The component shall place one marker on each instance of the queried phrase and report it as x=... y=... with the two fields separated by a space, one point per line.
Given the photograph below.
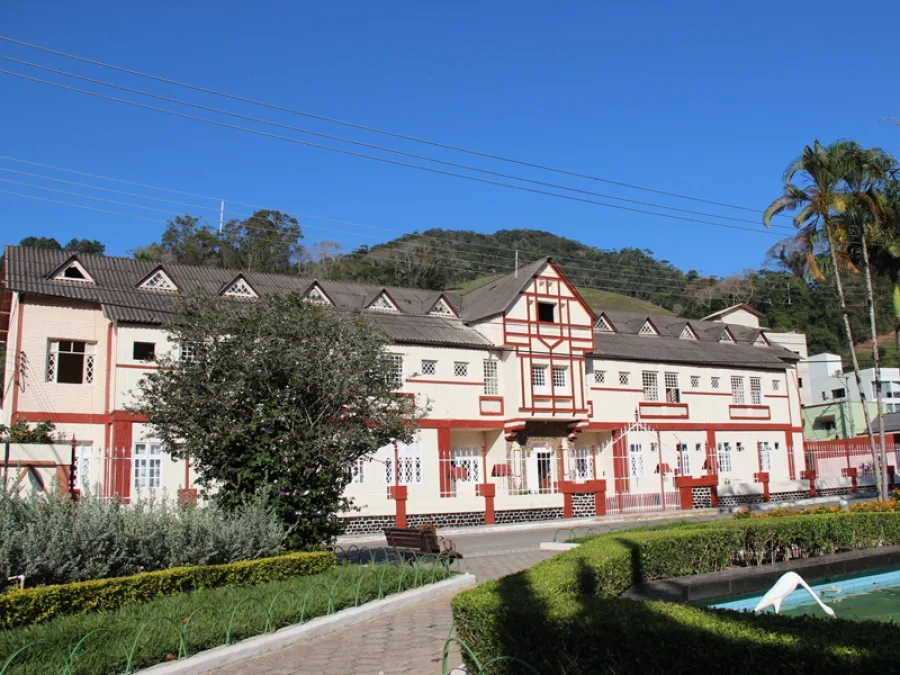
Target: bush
x=52 y=540
x=564 y=616
x=35 y=605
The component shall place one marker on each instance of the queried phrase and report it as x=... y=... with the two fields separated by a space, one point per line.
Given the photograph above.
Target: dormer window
x=546 y=312
x=73 y=271
x=239 y=288
x=687 y=333
x=760 y=341
x=603 y=325
x=382 y=303
x=441 y=308
x=726 y=336
x=159 y=281
x=647 y=329
x=315 y=296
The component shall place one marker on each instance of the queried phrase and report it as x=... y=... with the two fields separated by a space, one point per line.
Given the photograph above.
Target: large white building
x=540 y=406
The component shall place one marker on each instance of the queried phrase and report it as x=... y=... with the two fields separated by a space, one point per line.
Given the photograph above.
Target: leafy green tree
x=267 y=241
x=20 y=432
x=185 y=241
x=280 y=397
x=85 y=246
x=46 y=243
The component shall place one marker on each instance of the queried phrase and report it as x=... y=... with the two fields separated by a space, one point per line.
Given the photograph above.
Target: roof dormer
x=648 y=329
x=72 y=270
x=603 y=325
x=316 y=296
x=687 y=333
x=158 y=280
x=726 y=336
x=761 y=341
x=383 y=303
x=442 y=308
x=240 y=289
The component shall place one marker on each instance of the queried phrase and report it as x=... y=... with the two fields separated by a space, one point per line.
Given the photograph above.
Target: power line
x=343 y=151
x=375 y=130
x=380 y=148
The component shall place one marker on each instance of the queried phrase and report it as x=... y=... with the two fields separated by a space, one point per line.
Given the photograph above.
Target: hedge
x=564 y=616
x=35 y=605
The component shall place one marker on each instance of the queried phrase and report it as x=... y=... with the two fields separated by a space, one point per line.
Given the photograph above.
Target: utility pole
x=517 y=264
x=221 y=216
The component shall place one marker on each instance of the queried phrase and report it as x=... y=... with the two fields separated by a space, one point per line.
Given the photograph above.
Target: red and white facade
x=538 y=421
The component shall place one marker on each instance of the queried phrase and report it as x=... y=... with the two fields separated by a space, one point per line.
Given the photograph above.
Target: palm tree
x=822 y=171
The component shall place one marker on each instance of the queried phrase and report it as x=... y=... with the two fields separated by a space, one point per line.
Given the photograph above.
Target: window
x=546 y=312
x=714 y=382
x=159 y=281
x=539 y=376
x=624 y=378
x=147 y=463
x=776 y=385
x=765 y=457
x=460 y=369
x=74 y=273
x=724 y=457
x=70 y=362
x=726 y=336
x=737 y=390
x=410 y=466
x=441 y=308
x=315 y=296
x=83 y=460
x=599 y=377
x=382 y=304
x=358 y=470
x=144 y=351
x=491 y=381
x=755 y=390
x=559 y=377
x=465 y=465
x=673 y=392
x=874 y=391
x=429 y=367
x=187 y=351
x=582 y=464
x=240 y=289
x=647 y=329
x=800 y=382
x=687 y=334
x=602 y=325
x=838 y=393
x=651 y=388
x=698 y=447
x=395 y=377
x=636 y=460
x=684 y=459
x=695 y=381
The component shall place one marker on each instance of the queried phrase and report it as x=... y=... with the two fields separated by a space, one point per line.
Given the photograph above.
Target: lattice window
x=776 y=385
x=559 y=377
x=695 y=381
x=755 y=390
x=240 y=289
x=715 y=382
x=429 y=367
x=460 y=369
x=147 y=463
x=358 y=470
x=624 y=378
x=83 y=461
x=395 y=378
x=465 y=465
x=410 y=470
x=765 y=457
x=636 y=460
x=599 y=377
x=491 y=380
x=187 y=351
x=382 y=304
x=581 y=464
x=684 y=459
x=737 y=390
x=726 y=336
x=687 y=334
x=724 y=456
x=539 y=376
x=159 y=281
x=603 y=326
x=441 y=308
x=70 y=362
x=74 y=272
x=647 y=329
x=315 y=296
x=673 y=391
x=651 y=385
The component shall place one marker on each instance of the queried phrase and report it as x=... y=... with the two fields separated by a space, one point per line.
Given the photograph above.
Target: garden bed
x=165 y=629
x=565 y=614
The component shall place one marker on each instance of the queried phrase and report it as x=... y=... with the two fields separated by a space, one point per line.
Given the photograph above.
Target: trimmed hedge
x=564 y=616
x=35 y=605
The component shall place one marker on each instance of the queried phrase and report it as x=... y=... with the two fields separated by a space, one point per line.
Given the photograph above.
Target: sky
x=708 y=100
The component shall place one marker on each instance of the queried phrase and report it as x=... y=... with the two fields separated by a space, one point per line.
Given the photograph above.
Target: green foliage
x=564 y=616
x=74 y=245
x=20 y=432
x=283 y=405
x=36 y=605
x=53 y=540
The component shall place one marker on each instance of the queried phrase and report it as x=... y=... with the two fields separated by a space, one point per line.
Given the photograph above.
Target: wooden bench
x=407 y=542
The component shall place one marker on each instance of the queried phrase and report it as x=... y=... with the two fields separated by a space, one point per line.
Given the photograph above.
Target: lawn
x=137 y=636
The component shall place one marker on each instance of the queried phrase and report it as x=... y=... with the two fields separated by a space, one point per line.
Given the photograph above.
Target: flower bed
x=564 y=616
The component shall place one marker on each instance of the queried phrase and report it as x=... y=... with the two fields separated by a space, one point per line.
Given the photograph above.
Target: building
x=836 y=407
x=541 y=407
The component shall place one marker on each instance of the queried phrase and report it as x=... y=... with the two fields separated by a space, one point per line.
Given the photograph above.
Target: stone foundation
x=446 y=520
x=528 y=515
x=833 y=492
x=701 y=497
x=789 y=496
x=583 y=505
x=740 y=500
x=367 y=524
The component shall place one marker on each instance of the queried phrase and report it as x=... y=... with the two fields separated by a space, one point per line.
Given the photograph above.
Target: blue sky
x=705 y=99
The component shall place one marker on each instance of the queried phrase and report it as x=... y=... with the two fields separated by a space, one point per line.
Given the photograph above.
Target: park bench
x=409 y=542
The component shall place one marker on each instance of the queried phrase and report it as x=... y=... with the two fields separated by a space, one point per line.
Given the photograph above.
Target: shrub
x=52 y=540
x=35 y=605
x=564 y=616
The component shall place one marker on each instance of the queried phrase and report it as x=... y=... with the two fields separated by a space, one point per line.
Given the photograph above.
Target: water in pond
x=873 y=597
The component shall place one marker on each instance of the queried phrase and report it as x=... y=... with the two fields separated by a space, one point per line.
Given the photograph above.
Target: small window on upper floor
x=144 y=351
x=546 y=312
x=74 y=271
x=70 y=362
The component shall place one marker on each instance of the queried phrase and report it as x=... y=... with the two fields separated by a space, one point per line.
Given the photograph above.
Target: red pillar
x=444 y=460
x=120 y=457
x=763 y=477
x=620 y=467
x=398 y=494
x=486 y=490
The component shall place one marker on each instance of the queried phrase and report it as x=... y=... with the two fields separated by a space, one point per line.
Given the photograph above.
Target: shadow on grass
x=561 y=621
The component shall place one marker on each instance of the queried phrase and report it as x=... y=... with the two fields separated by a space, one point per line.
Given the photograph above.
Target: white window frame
x=738 y=394
x=410 y=465
x=396 y=361
x=624 y=378
x=776 y=385
x=695 y=381
x=756 y=390
x=147 y=465
x=684 y=458
x=84 y=457
x=650 y=382
x=491 y=377
x=470 y=460
x=187 y=351
x=581 y=464
x=724 y=457
x=460 y=369
x=673 y=390
x=765 y=457
x=560 y=376
x=88 y=363
x=429 y=367
x=599 y=377
x=538 y=376
x=357 y=471
x=635 y=460
x=715 y=382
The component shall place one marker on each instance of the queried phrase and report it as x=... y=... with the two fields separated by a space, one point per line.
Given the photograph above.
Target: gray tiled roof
x=891 y=423
x=498 y=296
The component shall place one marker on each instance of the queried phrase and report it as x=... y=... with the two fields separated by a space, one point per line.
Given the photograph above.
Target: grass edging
x=261 y=644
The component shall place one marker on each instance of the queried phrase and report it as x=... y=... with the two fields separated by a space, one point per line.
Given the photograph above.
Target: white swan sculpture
x=783 y=588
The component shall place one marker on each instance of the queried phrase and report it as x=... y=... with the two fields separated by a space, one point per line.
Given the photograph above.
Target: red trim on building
x=16 y=365
x=469 y=384
x=109 y=371
x=638 y=391
x=139 y=366
x=490 y=398
x=777 y=396
x=64 y=418
x=706 y=393
x=681 y=408
x=460 y=424
x=741 y=406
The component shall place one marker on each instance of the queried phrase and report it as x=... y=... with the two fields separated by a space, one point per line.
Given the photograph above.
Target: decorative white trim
x=442 y=308
x=382 y=303
x=648 y=329
x=603 y=326
x=687 y=333
x=726 y=336
x=761 y=341
x=85 y=278
x=240 y=288
x=316 y=296
x=158 y=281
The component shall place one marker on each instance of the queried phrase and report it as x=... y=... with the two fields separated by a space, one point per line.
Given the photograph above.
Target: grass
x=138 y=636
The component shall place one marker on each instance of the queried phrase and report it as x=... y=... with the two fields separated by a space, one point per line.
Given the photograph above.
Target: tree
x=46 y=243
x=85 y=246
x=185 y=241
x=281 y=398
x=822 y=171
x=20 y=432
x=267 y=241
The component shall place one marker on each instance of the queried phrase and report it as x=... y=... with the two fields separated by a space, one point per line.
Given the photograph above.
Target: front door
x=538 y=472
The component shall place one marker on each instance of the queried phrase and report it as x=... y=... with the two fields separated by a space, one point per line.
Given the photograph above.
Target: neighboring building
x=745 y=315
x=540 y=406
x=836 y=409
